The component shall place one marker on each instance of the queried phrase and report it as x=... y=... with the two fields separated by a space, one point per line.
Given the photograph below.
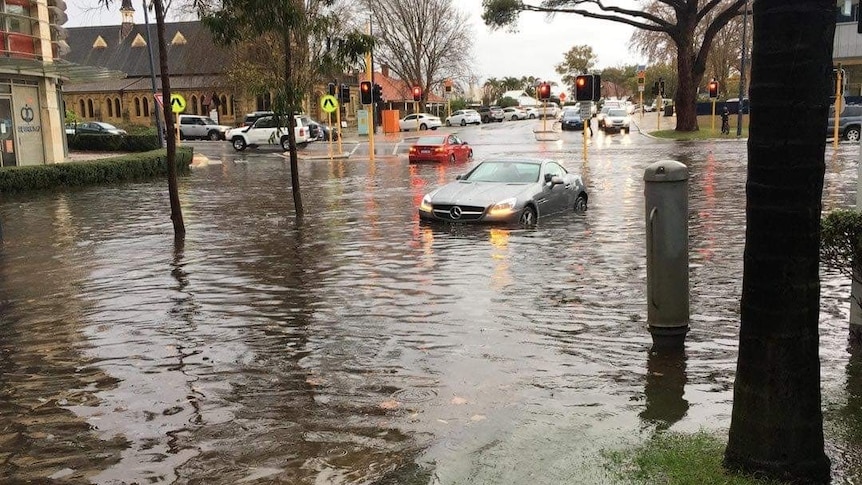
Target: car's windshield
x=210 y=121
x=505 y=172
x=471 y=112
x=570 y=114
x=617 y=112
x=430 y=140
x=106 y=126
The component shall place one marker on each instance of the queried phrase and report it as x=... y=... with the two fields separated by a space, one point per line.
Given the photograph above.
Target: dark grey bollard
x=666 y=198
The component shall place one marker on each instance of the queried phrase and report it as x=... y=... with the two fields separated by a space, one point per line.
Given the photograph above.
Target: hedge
x=125 y=168
x=113 y=143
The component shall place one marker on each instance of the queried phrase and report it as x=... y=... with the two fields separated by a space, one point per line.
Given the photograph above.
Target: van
x=203 y=127
x=849 y=122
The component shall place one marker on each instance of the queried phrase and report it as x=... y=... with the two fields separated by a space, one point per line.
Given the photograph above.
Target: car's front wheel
x=581 y=204
x=852 y=133
x=423 y=127
x=452 y=158
x=528 y=217
x=470 y=154
x=463 y=122
x=449 y=123
x=238 y=144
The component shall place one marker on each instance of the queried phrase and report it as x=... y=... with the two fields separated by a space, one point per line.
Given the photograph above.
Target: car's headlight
x=503 y=207
x=425 y=206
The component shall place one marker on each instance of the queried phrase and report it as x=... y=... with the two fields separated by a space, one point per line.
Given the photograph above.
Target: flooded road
x=361 y=346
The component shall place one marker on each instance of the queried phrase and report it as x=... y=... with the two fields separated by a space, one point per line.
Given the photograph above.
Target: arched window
x=230 y=105
x=110 y=108
x=137 y=107
x=89 y=107
x=117 y=111
x=81 y=108
x=194 y=104
x=223 y=101
x=263 y=102
x=146 y=107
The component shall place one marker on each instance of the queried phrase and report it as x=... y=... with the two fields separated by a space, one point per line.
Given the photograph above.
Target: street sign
x=586 y=110
x=159 y=99
x=640 y=88
x=562 y=96
x=178 y=103
x=328 y=103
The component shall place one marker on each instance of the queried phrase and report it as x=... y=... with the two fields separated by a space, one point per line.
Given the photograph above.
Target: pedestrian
x=725 y=121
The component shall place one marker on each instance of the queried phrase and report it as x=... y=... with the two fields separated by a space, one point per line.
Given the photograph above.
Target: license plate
x=425 y=151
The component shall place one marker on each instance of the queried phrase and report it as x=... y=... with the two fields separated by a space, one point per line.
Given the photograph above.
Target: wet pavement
x=362 y=346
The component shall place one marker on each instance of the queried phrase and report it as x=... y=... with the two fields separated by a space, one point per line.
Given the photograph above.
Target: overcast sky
x=534 y=50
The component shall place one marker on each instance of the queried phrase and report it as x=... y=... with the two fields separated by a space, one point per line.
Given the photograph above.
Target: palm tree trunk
x=777 y=425
x=173 y=190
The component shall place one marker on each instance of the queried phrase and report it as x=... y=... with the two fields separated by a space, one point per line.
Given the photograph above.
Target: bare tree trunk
x=685 y=96
x=776 y=427
x=289 y=86
x=173 y=190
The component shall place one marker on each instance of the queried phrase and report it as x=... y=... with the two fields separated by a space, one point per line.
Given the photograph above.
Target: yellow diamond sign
x=329 y=103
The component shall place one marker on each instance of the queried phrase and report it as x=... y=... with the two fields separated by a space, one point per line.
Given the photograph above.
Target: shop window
x=146 y=104
x=194 y=105
x=110 y=108
x=137 y=107
x=223 y=102
x=19 y=28
x=118 y=112
x=89 y=108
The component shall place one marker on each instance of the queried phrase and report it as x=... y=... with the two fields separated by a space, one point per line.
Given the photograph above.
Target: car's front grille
x=452 y=212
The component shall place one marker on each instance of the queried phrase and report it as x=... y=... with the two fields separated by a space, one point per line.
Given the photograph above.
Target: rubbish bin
x=668 y=110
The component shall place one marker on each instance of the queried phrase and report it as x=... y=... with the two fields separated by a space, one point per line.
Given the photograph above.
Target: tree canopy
x=577 y=60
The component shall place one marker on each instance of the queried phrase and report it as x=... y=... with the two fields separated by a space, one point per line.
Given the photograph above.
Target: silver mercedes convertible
x=521 y=191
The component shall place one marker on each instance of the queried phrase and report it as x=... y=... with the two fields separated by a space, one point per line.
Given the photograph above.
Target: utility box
x=666 y=204
x=362 y=122
x=390 y=121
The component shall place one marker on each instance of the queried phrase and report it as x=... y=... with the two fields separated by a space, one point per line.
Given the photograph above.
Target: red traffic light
x=544 y=91
x=713 y=89
x=365 y=92
x=417 y=93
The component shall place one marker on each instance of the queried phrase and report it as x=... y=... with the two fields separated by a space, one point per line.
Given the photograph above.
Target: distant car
x=464 y=117
x=265 y=131
x=318 y=130
x=617 y=119
x=549 y=110
x=70 y=128
x=519 y=190
x=440 y=148
x=250 y=118
x=849 y=122
x=571 y=120
x=490 y=113
x=98 y=128
x=512 y=114
x=531 y=111
x=203 y=127
x=424 y=121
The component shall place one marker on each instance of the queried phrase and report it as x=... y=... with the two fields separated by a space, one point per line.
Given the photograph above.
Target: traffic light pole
x=713 y=116
x=837 y=116
x=369 y=61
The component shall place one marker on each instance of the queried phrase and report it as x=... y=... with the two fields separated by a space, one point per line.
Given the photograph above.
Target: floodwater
x=363 y=347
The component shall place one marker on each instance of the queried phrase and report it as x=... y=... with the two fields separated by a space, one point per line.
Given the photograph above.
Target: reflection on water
x=362 y=346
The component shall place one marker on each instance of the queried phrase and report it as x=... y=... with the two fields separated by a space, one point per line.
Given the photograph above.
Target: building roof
x=191 y=50
x=396 y=90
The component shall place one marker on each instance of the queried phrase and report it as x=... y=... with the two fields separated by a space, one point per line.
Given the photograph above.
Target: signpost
x=586 y=115
x=641 y=84
x=329 y=104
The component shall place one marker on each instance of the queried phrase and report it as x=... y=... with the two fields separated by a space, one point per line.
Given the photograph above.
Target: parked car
x=440 y=148
x=512 y=113
x=617 y=119
x=265 y=131
x=464 y=117
x=490 y=113
x=196 y=126
x=571 y=120
x=532 y=112
x=250 y=118
x=549 y=110
x=519 y=190
x=425 y=121
x=98 y=128
x=849 y=122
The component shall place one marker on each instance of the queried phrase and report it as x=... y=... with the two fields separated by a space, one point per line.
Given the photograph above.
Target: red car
x=440 y=148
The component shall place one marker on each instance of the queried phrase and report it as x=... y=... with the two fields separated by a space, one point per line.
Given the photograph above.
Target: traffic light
x=661 y=87
x=544 y=91
x=713 y=89
x=417 y=93
x=655 y=89
x=365 y=92
x=330 y=88
x=377 y=93
x=588 y=87
x=344 y=94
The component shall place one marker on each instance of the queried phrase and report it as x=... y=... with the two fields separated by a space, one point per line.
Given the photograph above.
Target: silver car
x=521 y=190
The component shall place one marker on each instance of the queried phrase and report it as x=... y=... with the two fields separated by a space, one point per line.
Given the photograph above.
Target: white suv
x=265 y=132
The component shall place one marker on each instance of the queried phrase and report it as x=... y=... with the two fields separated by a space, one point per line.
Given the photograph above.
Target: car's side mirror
x=458 y=177
x=556 y=180
x=548 y=177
